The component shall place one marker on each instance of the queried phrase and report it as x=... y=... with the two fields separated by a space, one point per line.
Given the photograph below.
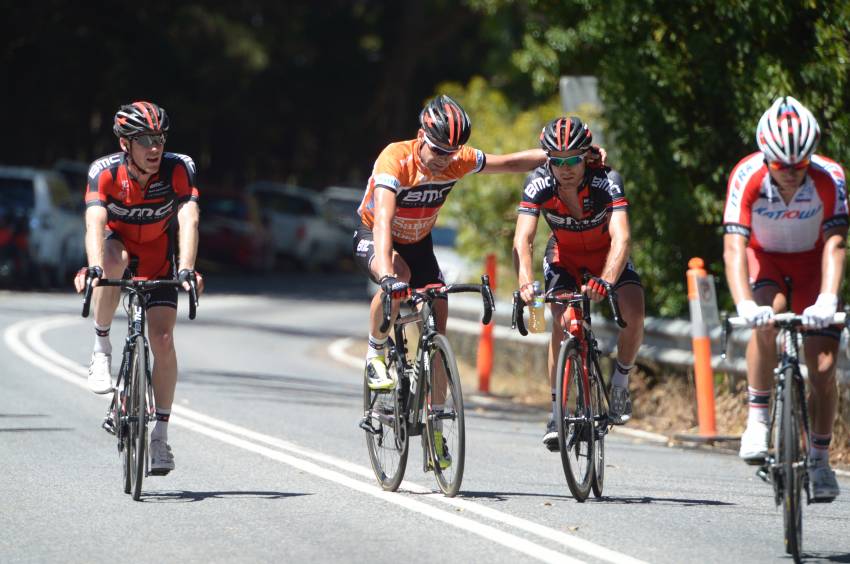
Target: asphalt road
x=271 y=465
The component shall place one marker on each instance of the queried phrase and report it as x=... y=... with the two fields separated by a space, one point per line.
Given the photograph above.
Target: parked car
x=231 y=231
x=37 y=207
x=340 y=204
x=299 y=229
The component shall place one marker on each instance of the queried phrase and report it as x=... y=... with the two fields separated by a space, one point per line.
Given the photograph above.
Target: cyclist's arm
x=385 y=205
x=187 y=219
x=523 y=161
x=96 y=217
x=526 y=227
x=735 y=262
x=832 y=263
x=618 y=254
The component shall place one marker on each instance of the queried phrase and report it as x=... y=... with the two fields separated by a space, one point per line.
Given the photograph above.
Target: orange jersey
x=419 y=194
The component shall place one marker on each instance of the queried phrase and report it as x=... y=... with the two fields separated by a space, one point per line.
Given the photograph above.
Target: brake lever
x=516 y=317
x=487 y=297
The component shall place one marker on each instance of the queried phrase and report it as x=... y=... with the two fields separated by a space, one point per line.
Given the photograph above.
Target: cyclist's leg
x=631 y=303
x=821 y=349
x=115 y=260
x=768 y=288
x=558 y=278
x=364 y=254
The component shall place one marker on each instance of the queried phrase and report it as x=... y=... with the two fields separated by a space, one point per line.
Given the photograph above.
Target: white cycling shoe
x=162 y=461
x=754 y=444
x=100 y=373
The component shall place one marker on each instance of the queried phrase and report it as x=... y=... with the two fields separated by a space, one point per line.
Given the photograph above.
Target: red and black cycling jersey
x=140 y=214
x=601 y=193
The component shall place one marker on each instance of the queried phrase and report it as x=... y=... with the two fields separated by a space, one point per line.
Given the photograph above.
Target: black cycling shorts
x=418 y=256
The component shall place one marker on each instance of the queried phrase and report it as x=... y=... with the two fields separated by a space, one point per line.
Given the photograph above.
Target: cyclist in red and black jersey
x=586 y=208
x=138 y=202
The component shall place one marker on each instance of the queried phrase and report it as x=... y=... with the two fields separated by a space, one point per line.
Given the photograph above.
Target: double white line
x=25 y=339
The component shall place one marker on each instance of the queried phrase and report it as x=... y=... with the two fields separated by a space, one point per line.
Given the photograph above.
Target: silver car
x=55 y=230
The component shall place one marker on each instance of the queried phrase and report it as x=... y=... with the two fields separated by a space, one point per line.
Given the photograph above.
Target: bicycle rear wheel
x=789 y=455
x=445 y=425
x=600 y=427
x=138 y=415
x=386 y=426
x=574 y=418
x=122 y=429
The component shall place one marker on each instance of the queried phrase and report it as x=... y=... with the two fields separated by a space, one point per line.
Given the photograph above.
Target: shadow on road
x=684 y=502
x=825 y=557
x=187 y=496
x=505 y=496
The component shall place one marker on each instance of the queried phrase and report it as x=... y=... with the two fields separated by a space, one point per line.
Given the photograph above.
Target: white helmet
x=787 y=132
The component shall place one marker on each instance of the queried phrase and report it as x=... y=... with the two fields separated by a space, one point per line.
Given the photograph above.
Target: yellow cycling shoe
x=376 y=372
x=443 y=456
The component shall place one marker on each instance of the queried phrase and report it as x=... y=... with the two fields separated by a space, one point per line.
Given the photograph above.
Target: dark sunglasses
x=148 y=141
x=776 y=165
x=439 y=151
x=566 y=161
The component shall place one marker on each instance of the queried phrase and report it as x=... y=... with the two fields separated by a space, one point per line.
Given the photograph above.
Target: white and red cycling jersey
x=755 y=209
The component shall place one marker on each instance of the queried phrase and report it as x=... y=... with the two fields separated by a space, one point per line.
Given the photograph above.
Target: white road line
x=51 y=361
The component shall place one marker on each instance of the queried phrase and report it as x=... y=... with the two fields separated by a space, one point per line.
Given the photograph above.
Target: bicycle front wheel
x=138 y=415
x=386 y=427
x=574 y=419
x=789 y=455
x=599 y=409
x=444 y=423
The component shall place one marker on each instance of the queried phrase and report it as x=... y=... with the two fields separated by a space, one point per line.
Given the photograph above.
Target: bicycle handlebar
x=430 y=293
x=519 y=304
x=787 y=320
x=139 y=286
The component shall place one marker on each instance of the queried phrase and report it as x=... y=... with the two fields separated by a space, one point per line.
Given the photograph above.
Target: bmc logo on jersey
x=537 y=185
x=141 y=214
x=102 y=164
x=426 y=196
x=158 y=188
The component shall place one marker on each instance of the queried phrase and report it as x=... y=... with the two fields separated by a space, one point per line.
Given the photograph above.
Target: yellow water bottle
x=536 y=321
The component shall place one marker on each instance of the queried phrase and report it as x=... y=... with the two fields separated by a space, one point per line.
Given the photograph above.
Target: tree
x=683 y=84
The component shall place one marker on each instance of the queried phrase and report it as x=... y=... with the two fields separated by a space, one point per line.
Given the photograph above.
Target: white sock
x=819 y=449
x=376 y=347
x=620 y=376
x=758 y=401
x=102 y=344
x=160 y=430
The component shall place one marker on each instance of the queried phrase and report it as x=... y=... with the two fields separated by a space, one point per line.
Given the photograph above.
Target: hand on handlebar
x=754 y=314
x=394 y=287
x=821 y=313
x=93 y=273
x=526 y=292
x=597 y=289
x=186 y=275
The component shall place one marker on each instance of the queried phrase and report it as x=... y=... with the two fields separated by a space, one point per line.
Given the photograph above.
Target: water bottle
x=536 y=321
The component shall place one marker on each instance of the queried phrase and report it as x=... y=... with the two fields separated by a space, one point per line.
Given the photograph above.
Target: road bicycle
x=786 y=465
x=426 y=397
x=581 y=397
x=133 y=406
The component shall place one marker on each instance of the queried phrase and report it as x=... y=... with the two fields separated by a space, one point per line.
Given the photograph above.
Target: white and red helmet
x=787 y=132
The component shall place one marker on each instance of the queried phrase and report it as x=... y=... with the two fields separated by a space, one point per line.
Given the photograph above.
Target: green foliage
x=683 y=84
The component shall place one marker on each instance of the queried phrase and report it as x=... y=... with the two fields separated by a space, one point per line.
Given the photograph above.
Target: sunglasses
x=776 y=165
x=148 y=141
x=566 y=161
x=439 y=151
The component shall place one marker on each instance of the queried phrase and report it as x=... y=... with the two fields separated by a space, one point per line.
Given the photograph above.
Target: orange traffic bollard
x=703 y=373
x=485 y=343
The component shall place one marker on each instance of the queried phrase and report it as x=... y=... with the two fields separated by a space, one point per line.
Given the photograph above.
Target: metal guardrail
x=666 y=342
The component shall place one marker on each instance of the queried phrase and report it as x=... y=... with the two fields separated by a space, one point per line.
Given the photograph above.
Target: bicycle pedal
x=763 y=474
x=366 y=425
x=108 y=425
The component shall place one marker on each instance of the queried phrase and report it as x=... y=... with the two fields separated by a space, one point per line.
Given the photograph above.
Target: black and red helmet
x=140 y=118
x=566 y=134
x=445 y=123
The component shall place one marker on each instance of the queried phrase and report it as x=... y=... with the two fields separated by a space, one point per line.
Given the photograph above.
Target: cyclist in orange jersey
x=135 y=201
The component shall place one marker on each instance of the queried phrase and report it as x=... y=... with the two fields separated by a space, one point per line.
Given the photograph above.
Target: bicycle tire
x=449 y=422
x=383 y=411
x=574 y=420
x=123 y=432
x=600 y=427
x=790 y=457
x=138 y=412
